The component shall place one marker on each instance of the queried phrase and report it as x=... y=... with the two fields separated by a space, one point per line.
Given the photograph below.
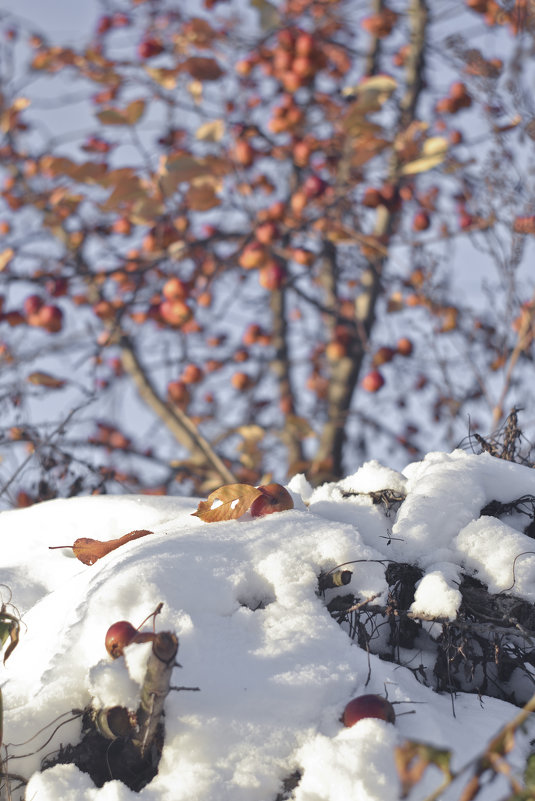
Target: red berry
x=368 y=706
x=118 y=636
x=149 y=48
x=373 y=381
x=274 y=498
x=121 y=634
x=404 y=346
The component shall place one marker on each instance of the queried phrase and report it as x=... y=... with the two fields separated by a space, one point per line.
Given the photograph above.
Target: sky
x=60 y=17
x=274 y=669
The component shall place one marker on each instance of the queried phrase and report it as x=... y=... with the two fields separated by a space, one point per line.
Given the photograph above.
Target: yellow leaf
x=232 y=501
x=433 y=153
x=251 y=431
x=165 y=77
x=176 y=250
x=195 y=90
x=376 y=83
x=211 y=131
x=20 y=103
x=5 y=257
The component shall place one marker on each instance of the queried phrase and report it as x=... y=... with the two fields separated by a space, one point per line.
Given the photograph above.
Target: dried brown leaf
x=233 y=501
x=134 y=111
x=45 y=380
x=202 y=198
x=164 y=76
x=202 y=69
x=90 y=551
x=211 y=131
x=412 y=759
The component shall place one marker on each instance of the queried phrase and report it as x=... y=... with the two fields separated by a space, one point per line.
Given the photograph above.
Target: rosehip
x=368 y=706
x=274 y=498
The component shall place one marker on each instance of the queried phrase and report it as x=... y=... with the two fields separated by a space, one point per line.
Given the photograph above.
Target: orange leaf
x=45 y=380
x=234 y=500
x=90 y=551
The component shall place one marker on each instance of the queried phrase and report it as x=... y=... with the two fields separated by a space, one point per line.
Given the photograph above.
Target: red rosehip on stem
x=274 y=498
x=121 y=634
x=368 y=706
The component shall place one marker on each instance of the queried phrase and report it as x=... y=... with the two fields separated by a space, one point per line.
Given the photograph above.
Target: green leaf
x=5 y=628
x=529 y=772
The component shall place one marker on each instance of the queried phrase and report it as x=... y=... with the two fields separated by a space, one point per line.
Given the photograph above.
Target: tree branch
x=177 y=422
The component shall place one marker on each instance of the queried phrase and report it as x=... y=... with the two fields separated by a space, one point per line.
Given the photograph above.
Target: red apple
x=373 y=381
x=175 y=312
x=149 y=48
x=244 y=153
x=175 y=289
x=383 y=356
x=404 y=346
x=421 y=221
x=274 y=498
x=314 y=186
x=104 y=24
x=121 y=634
x=51 y=318
x=241 y=381
x=32 y=304
x=368 y=706
x=304 y=44
x=272 y=275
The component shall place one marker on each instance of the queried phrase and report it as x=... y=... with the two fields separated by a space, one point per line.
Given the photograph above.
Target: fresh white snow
x=274 y=669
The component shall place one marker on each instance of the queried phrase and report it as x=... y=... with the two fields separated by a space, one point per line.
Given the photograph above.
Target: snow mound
x=274 y=668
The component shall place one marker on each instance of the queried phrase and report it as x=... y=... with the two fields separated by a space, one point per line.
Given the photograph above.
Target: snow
x=274 y=668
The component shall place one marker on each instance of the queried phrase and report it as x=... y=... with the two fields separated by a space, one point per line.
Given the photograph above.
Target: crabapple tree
x=250 y=240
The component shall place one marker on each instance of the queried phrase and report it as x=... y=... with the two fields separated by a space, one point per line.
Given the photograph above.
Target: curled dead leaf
x=89 y=551
x=232 y=501
x=45 y=380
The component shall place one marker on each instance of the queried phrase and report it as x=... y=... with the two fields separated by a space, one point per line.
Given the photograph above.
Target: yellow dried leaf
x=195 y=90
x=376 y=83
x=433 y=153
x=20 y=103
x=232 y=501
x=251 y=431
x=5 y=257
x=211 y=131
x=165 y=77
